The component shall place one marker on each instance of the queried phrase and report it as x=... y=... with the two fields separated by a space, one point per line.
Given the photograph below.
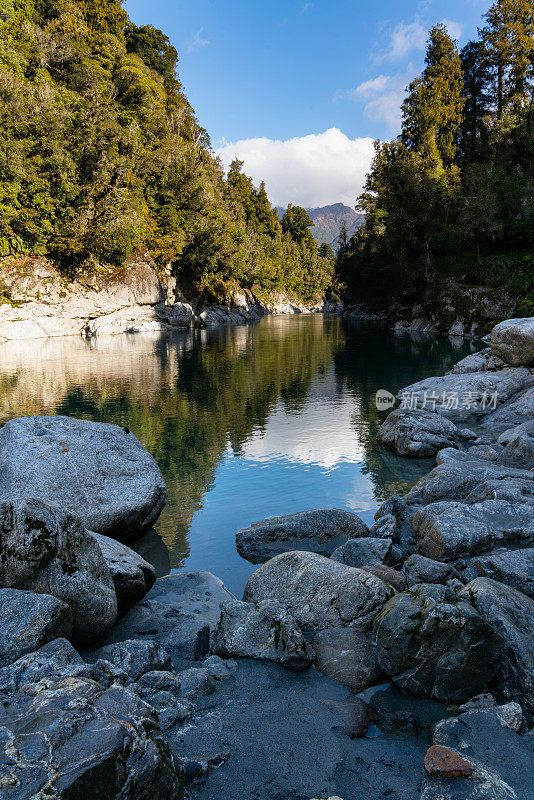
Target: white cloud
x=372 y=87
x=197 y=41
x=404 y=38
x=313 y=170
x=383 y=97
x=454 y=28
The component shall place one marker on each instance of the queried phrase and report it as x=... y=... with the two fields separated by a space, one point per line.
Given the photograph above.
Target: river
x=245 y=422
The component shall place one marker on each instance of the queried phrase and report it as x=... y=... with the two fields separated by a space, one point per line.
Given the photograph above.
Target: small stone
x=396 y=722
x=136 y=657
x=446 y=763
x=220 y=668
x=389 y=575
x=357 y=716
x=195 y=682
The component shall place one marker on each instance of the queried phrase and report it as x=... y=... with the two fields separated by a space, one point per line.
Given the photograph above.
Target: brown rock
x=446 y=763
x=347 y=656
x=357 y=716
x=388 y=575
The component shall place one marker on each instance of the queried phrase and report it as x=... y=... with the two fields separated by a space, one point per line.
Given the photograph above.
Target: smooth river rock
x=264 y=631
x=518 y=446
x=28 y=621
x=348 y=657
x=318 y=592
x=99 y=472
x=132 y=576
x=363 y=552
x=511 y=613
x=431 y=645
x=513 y=341
x=447 y=530
x=318 y=531
x=47 y=550
x=420 y=434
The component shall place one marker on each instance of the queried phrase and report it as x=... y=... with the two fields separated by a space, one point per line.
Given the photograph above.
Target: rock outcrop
x=29 y=621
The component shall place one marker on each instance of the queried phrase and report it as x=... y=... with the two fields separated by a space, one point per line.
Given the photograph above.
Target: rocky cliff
x=37 y=301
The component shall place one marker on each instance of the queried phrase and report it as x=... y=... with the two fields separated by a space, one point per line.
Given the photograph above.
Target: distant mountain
x=327 y=221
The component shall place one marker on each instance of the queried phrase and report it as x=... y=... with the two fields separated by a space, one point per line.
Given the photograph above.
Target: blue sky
x=300 y=87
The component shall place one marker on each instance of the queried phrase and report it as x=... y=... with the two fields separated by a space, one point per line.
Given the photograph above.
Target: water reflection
x=245 y=422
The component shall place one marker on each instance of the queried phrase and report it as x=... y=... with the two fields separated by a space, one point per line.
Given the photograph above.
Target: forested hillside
x=452 y=199
x=102 y=156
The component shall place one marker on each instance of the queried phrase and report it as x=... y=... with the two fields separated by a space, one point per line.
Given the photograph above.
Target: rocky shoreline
x=36 y=301
x=393 y=661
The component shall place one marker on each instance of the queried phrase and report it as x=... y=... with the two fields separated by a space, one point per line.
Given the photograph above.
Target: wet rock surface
x=28 y=621
x=318 y=531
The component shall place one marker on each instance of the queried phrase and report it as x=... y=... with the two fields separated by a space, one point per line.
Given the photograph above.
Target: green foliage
x=101 y=155
x=435 y=211
x=297 y=223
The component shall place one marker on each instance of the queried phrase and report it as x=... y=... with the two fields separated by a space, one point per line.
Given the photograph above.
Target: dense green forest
x=452 y=199
x=101 y=156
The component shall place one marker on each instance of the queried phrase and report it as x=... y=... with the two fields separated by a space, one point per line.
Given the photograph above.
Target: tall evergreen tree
x=475 y=91
x=432 y=111
x=508 y=39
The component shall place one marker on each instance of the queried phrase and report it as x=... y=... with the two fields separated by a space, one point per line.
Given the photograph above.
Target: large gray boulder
x=518 y=409
x=318 y=531
x=264 y=631
x=514 y=567
x=348 y=657
x=47 y=550
x=511 y=613
x=363 y=552
x=447 y=531
x=318 y=592
x=180 y=613
x=431 y=645
x=99 y=472
x=467 y=396
x=86 y=741
x=132 y=576
x=518 y=446
x=513 y=341
x=28 y=621
x=420 y=569
x=420 y=434
x=483 y=361
x=57 y=659
x=136 y=657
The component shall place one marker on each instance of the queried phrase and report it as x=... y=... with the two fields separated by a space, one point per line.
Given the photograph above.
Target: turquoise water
x=245 y=422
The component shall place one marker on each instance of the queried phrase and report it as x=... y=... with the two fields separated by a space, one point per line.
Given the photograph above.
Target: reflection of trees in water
x=187 y=397
x=377 y=358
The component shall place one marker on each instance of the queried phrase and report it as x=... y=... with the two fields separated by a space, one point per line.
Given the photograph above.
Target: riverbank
x=37 y=301
x=406 y=622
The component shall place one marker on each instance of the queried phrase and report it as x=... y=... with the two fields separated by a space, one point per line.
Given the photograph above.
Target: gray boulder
x=483 y=361
x=264 y=631
x=136 y=657
x=467 y=396
x=47 y=550
x=318 y=592
x=511 y=613
x=430 y=645
x=132 y=576
x=420 y=569
x=363 y=552
x=196 y=682
x=495 y=748
x=180 y=613
x=318 y=531
x=447 y=531
x=99 y=472
x=513 y=341
x=518 y=409
x=518 y=446
x=419 y=434
x=85 y=742
x=28 y=621
x=514 y=567
x=348 y=657
x=58 y=659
